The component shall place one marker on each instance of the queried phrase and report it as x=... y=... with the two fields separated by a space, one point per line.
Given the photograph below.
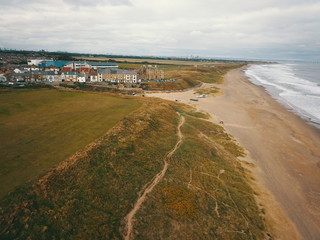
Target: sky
x=257 y=29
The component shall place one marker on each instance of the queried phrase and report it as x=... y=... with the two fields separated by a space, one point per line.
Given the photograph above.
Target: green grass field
x=40 y=128
x=132 y=66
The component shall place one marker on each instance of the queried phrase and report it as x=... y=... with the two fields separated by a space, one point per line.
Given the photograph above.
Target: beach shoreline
x=281 y=146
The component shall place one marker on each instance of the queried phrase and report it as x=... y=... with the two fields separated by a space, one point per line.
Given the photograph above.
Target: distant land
x=60 y=55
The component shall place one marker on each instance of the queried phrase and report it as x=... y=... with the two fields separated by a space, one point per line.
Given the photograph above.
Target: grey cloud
x=261 y=28
x=23 y=3
x=97 y=2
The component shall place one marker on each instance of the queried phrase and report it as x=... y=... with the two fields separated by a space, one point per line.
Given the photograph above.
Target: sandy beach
x=283 y=150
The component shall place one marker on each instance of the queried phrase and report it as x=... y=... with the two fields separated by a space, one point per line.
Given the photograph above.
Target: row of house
x=106 y=75
x=80 y=71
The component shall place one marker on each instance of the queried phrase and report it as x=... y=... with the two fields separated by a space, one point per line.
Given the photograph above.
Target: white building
x=31 y=68
x=81 y=77
x=76 y=65
x=72 y=77
x=36 y=61
x=93 y=78
x=69 y=76
x=2 y=78
x=17 y=70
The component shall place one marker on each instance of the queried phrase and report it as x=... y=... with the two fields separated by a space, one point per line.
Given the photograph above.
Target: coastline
x=292 y=106
x=282 y=148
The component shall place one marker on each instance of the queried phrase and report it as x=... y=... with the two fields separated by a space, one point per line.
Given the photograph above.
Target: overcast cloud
x=230 y=28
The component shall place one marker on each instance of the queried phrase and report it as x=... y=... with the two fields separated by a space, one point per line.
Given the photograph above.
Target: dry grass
x=212 y=91
x=204 y=195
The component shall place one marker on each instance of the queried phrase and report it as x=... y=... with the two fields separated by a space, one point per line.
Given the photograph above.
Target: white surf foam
x=283 y=83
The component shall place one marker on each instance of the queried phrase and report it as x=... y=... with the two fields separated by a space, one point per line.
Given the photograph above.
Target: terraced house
x=150 y=73
x=117 y=76
x=72 y=77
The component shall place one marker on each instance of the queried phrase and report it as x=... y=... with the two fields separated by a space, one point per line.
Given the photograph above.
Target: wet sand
x=284 y=149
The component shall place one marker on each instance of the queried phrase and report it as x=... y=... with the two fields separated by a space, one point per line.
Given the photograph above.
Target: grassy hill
x=204 y=195
x=187 y=77
x=40 y=128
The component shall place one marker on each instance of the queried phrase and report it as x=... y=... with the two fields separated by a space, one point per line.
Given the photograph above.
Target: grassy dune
x=205 y=193
x=40 y=128
x=203 y=74
x=187 y=77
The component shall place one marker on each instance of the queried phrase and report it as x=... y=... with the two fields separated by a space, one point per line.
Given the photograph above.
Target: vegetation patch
x=212 y=91
x=190 y=111
x=179 y=202
x=205 y=193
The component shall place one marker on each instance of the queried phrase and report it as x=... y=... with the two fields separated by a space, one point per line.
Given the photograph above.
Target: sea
x=295 y=85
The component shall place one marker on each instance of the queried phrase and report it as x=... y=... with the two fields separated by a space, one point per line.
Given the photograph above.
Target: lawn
x=40 y=128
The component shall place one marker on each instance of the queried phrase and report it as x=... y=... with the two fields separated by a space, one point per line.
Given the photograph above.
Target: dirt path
x=150 y=186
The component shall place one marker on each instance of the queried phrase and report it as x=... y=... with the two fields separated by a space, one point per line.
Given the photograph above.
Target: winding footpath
x=150 y=186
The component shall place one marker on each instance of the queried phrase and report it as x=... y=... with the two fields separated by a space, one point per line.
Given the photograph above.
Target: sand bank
x=285 y=150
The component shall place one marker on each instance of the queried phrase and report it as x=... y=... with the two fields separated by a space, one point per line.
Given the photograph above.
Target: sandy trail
x=150 y=186
x=283 y=147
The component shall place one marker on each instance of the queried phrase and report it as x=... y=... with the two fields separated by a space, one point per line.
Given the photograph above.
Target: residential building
x=49 y=76
x=77 y=64
x=103 y=65
x=117 y=76
x=81 y=78
x=31 y=68
x=150 y=73
x=36 y=61
x=2 y=78
x=52 y=68
x=66 y=69
x=87 y=72
x=69 y=76
x=18 y=77
x=17 y=70
x=93 y=77
x=73 y=77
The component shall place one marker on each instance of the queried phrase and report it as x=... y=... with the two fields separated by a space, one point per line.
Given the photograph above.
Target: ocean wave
x=285 y=82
